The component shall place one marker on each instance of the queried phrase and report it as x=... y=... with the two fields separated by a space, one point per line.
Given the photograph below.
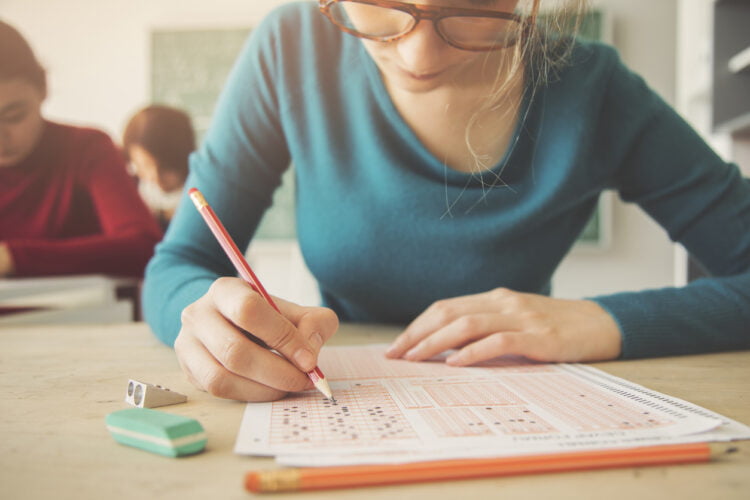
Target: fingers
x=240 y=356
x=441 y=314
x=218 y=357
x=502 y=322
x=460 y=332
x=236 y=301
x=498 y=344
x=317 y=324
x=207 y=374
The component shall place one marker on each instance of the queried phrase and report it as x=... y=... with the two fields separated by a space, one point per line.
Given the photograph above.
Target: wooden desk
x=58 y=383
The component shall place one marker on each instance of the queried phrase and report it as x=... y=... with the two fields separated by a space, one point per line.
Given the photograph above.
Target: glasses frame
x=419 y=12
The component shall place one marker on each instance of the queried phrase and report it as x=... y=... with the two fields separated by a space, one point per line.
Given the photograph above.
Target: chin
x=9 y=161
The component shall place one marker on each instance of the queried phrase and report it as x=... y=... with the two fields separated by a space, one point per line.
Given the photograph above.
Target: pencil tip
x=722 y=449
x=322 y=385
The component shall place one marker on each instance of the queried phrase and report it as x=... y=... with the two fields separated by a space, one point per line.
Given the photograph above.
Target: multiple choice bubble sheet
x=391 y=411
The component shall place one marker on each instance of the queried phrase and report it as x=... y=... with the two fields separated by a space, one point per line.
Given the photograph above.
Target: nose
x=422 y=49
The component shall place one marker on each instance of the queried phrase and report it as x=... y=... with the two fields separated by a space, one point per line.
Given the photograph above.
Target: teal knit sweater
x=387 y=229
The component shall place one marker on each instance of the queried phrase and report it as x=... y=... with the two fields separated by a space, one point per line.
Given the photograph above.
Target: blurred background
x=106 y=59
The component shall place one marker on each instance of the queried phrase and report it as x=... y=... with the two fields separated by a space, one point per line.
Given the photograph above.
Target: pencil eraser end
x=252 y=482
x=157 y=432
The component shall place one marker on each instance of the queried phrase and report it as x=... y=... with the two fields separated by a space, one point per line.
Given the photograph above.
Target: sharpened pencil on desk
x=244 y=270
x=354 y=476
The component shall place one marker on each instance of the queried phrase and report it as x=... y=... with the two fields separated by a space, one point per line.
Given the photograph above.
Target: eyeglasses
x=387 y=21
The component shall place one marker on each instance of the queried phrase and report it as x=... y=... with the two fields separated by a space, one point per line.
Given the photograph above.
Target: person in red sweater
x=67 y=203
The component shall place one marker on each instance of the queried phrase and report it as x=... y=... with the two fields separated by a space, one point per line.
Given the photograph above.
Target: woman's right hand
x=219 y=358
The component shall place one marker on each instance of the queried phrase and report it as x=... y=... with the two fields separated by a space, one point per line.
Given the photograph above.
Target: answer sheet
x=393 y=411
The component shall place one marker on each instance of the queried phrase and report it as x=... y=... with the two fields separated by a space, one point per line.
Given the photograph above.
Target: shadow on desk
x=69 y=299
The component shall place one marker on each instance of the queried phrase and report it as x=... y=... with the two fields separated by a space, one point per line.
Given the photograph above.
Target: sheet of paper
x=58 y=291
x=396 y=411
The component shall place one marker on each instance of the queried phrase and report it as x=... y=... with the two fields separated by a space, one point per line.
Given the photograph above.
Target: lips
x=425 y=76
x=421 y=76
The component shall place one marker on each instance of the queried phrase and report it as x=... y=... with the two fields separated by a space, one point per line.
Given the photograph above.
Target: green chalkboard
x=189 y=68
x=593 y=27
x=594 y=234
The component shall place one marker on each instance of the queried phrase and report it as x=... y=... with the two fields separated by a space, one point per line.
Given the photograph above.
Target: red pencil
x=243 y=268
x=353 y=476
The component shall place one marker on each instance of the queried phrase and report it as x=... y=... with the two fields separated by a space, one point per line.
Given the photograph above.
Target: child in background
x=67 y=205
x=157 y=142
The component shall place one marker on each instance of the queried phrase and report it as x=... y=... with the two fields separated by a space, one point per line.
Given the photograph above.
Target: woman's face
x=21 y=122
x=421 y=61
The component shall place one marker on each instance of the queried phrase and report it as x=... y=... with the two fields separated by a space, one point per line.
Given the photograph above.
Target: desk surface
x=58 y=383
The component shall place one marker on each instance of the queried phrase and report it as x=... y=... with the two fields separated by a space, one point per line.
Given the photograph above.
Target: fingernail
x=316 y=340
x=304 y=359
x=391 y=350
x=412 y=353
x=454 y=359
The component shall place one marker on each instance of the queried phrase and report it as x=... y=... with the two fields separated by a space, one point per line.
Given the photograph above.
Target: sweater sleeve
x=703 y=203
x=128 y=232
x=237 y=168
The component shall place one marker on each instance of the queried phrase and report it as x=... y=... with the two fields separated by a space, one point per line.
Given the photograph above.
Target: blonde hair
x=549 y=42
x=546 y=40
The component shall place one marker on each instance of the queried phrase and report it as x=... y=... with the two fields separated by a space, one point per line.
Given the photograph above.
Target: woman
x=67 y=205
x=447 y=157
x=157 y=142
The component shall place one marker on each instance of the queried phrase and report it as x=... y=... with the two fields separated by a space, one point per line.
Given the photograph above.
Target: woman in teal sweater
x=444 y=168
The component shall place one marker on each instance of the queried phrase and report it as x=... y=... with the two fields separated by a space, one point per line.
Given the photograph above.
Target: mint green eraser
x=157 y=431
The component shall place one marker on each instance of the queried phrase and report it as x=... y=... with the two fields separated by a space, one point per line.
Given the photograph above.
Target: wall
x=640 y=255
x=96 y=53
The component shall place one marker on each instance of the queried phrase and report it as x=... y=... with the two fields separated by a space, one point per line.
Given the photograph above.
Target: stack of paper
x=64 y=299
x=391 y=411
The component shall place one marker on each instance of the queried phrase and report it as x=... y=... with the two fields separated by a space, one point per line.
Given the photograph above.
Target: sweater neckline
x=437 y=167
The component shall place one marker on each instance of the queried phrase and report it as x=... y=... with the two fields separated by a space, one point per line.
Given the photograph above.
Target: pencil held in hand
x=244 y=270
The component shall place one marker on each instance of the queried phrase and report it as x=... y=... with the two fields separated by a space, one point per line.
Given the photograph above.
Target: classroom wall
x=96 y=53
x=693 y=92
x=640 y=254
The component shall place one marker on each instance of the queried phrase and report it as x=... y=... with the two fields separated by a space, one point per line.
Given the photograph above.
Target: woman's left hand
x=501 y=321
